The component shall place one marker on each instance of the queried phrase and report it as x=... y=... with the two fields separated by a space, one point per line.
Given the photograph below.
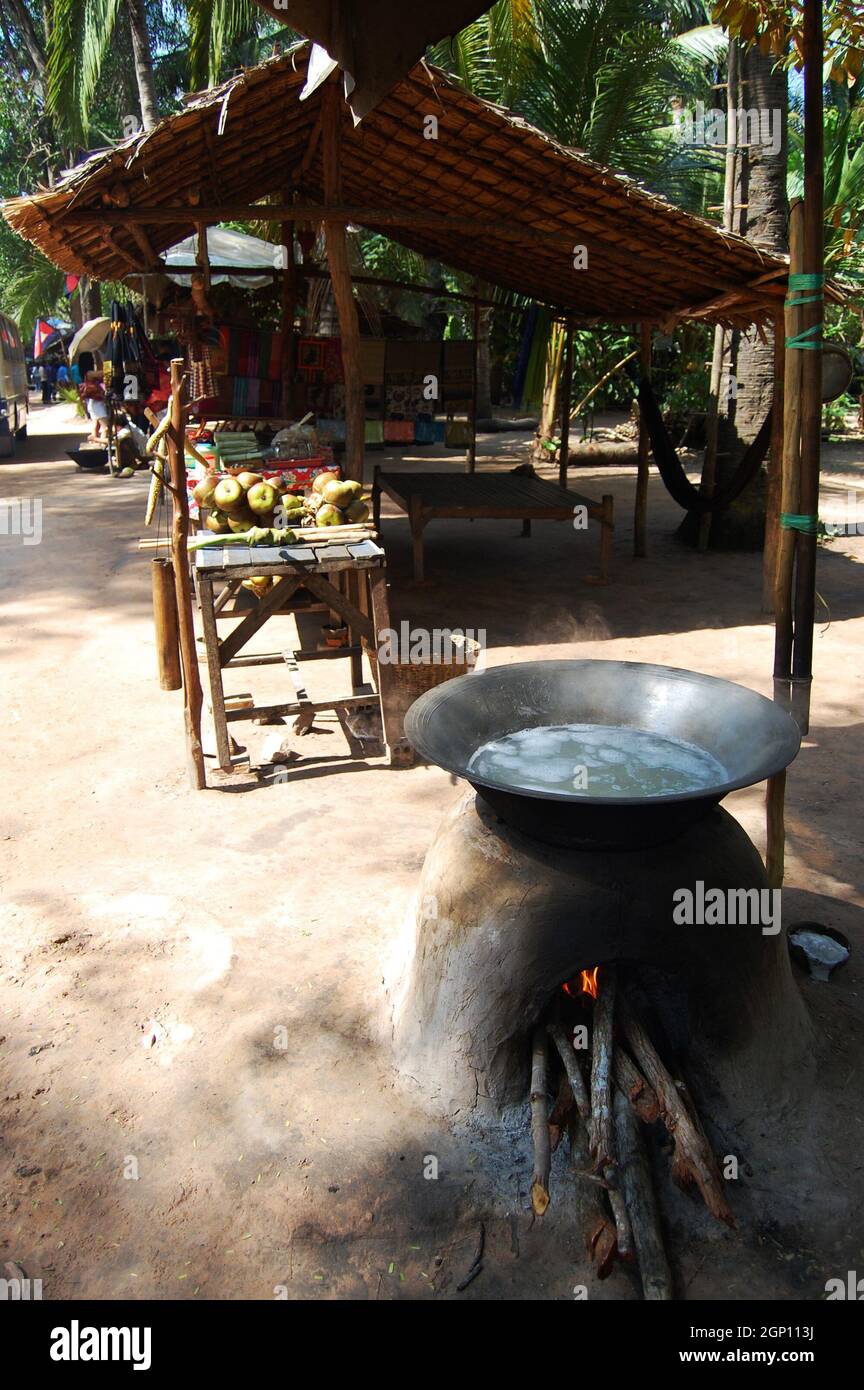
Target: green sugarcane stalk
x=256 y=535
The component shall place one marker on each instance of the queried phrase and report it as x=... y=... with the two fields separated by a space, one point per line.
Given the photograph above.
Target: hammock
x=678 y=485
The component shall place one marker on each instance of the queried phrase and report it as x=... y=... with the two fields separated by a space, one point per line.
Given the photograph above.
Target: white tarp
x=226 y=248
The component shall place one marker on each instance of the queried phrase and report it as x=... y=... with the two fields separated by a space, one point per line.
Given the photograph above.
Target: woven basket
x=411 y=679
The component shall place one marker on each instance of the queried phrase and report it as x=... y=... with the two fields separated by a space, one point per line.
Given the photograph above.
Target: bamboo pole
x=343 y=290
x=790 y=474
x=775 y=468
x=566 y=393
x=640 y=508
x=165 y=623
x=192 y=694
x=811 y=376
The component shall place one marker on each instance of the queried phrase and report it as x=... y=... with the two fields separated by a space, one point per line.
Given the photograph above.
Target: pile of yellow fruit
x=235 y=503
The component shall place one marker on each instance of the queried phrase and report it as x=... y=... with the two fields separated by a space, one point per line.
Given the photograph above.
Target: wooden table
x=360 y=600
x=500 y=496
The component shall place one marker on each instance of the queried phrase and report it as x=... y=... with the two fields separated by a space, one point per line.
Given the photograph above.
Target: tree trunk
x=748 y=376
x=143 y=63
x=484 y=364
x=90 y=293
x=27 y=29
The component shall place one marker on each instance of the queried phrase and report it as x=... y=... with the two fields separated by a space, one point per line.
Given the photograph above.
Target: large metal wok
x=749 y=736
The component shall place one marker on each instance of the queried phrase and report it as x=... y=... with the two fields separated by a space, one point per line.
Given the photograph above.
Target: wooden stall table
x=361 y=601
x=499 y=496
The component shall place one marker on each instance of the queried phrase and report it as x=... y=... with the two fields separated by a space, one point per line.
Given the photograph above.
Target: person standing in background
x=45 y=383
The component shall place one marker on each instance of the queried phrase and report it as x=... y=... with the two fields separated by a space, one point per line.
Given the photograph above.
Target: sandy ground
x=194 y=1097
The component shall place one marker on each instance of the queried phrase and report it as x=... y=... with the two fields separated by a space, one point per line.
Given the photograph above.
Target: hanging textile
x=677 y=484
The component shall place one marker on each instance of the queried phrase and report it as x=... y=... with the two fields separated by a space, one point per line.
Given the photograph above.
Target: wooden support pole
x=203 y=257
x=712 y=428
x=192 y=694
x=790 y=481
x=289 y=306
x=640 y=510
x=775 y=814
x=165 y=623
x=343 y=290
x=811 y=376
x=775 y=469
x=566 y=395
x=471 y=460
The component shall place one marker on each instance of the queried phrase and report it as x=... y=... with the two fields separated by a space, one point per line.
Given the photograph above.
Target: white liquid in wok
x=596 y=760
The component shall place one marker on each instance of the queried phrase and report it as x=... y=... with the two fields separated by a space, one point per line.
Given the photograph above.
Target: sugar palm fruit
x=242 y=520
x=357 y=511
x=248 y=480
x=261 y=498
x=229 y=495
x=319 y=483
x=337 y=493
x=217 y=522
x=204 y=490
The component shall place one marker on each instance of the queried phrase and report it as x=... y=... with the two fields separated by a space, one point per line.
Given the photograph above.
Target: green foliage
x=34 y=290
x=79 y=36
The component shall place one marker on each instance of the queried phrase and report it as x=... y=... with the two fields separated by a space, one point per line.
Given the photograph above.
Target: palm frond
x=79 y=37
x=214 y=26
x=34 y=289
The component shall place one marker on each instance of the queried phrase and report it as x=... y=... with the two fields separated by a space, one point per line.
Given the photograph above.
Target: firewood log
x=638 y=1192
x=540 y=1124
x=602 y=1133
x=601 y=1237
x=583 y=1105
x=694 y=1160
x=630 y=1080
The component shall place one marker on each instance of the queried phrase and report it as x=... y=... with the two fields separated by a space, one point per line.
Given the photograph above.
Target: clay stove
x=520 y=892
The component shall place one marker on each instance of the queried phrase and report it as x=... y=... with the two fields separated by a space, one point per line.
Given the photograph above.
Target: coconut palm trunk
x=143 y=63
x=747 y=382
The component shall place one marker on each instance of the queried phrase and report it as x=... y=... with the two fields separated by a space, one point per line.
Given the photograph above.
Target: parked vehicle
x=14 y=387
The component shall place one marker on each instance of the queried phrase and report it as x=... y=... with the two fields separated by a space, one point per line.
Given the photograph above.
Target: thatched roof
x=490 y=195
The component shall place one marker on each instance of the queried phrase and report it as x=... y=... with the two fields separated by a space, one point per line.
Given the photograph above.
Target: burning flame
x=588 y=983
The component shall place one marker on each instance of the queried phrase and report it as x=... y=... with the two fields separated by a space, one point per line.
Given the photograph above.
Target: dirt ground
x=196 y=1097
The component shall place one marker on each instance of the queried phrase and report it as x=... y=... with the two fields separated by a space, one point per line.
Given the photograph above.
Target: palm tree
x=143 y=58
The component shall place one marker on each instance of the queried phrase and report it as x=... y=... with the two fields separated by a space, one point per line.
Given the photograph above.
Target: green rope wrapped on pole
x=793 y=521
x=810 y=340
